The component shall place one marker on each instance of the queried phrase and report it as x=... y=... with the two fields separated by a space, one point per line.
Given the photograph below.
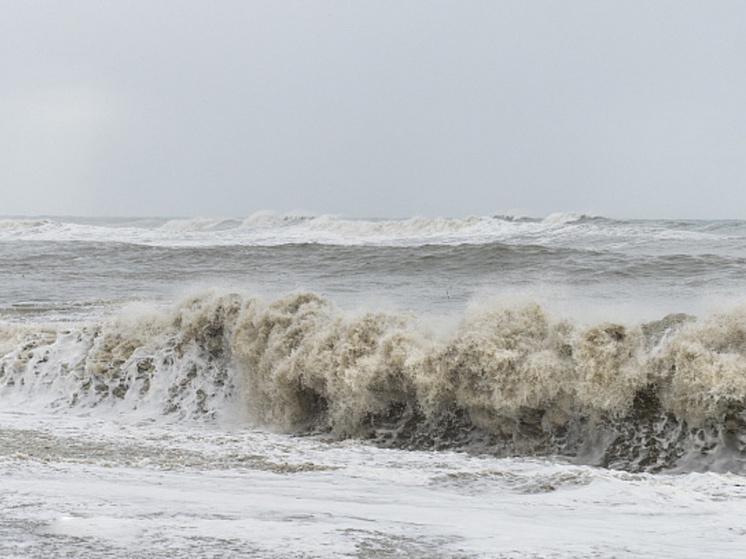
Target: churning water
x=294 y=386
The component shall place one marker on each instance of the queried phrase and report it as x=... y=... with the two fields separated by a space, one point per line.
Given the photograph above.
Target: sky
x=373 y=108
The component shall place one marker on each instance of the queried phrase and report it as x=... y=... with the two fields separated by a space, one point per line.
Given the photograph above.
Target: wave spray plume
x=507 y=380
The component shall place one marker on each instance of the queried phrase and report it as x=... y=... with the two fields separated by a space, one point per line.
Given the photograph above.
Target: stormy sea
x=314 y=386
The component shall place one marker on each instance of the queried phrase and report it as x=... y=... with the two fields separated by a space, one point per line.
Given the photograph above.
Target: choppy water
x=315 y=387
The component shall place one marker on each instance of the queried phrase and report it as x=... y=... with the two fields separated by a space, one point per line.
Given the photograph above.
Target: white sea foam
x=106 y=487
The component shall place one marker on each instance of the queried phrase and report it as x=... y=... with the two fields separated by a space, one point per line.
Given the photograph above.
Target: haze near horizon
x=373 y=109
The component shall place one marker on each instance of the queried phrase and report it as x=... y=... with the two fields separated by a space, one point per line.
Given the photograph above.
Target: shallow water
x=102 y=487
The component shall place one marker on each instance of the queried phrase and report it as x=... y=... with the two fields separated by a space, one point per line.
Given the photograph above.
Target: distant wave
x=22 y=224
x=565 y=218
x=197 y=224
x=271 y=229
x=511 y=380
x=516 y=218
x=415 y=226
x=269 y=219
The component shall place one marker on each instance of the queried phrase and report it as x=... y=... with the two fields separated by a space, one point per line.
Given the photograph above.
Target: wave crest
x=270 y=219
x=505 y=379
x=565 y=218
x=22 y=224
x=197 y=224
x=412 y=227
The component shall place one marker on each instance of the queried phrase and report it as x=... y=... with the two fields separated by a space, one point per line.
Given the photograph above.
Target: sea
x=313 y=386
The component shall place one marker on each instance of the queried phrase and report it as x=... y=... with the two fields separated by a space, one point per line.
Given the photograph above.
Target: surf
x=509 y=380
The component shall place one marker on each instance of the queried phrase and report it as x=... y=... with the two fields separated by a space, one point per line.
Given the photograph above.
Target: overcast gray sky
x=373 y=108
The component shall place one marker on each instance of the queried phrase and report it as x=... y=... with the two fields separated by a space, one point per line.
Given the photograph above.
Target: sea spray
x=506 y=379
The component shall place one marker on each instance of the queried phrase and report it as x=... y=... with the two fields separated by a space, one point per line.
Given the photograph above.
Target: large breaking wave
x=507 y=379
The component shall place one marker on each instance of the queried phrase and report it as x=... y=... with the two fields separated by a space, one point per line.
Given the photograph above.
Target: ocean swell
x=505 y=379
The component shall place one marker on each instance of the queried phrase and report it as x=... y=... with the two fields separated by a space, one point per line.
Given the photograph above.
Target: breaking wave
x=270 y=219
x=271 y=229
x=412 y=227
x=564 y=218
x=198 y=224
x=22 y=224
x=505 y=379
